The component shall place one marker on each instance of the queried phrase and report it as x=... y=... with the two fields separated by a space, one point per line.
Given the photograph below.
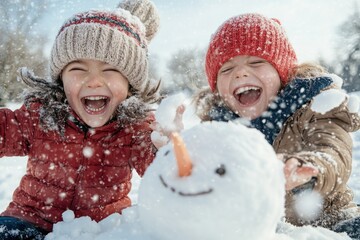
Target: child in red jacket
x=86 y=129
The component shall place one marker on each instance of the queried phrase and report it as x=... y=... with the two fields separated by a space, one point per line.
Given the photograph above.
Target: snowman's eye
x=221 y=170
x=166 y=153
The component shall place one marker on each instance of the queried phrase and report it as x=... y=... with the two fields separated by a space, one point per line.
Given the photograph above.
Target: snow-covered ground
x=12 y=168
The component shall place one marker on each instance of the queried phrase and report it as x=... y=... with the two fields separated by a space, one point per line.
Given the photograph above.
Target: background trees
x=186 y=71
x=21 y=43
x=23 y=40
x=348 y=52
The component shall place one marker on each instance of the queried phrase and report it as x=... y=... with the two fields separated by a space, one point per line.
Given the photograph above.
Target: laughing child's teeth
x=95 y=98
x=95 y=109
x=245 y=89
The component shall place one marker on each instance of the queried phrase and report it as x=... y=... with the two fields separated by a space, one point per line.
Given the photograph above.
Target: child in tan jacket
x=254 y=77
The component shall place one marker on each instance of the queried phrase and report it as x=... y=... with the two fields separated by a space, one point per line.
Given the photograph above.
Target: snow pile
x=287 y=231
x=114 y=227
x=85 y=228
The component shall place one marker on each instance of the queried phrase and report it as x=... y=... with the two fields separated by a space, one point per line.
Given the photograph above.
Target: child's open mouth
x=247 y=95
x=95 y=104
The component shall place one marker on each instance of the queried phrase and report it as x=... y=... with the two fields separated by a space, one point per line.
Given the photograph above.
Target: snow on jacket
x=322 y=139
x=86 y=170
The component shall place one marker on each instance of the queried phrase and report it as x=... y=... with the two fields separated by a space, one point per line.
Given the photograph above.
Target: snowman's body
x=235 y=190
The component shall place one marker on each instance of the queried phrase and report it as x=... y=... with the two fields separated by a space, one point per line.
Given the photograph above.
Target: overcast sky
x=311 y=25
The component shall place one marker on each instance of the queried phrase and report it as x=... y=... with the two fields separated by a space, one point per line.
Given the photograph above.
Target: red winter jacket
x=88 y=172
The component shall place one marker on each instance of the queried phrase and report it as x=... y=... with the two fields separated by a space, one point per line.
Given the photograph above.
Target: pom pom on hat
x=253 y=35
x=118 y=37
x=146 y=12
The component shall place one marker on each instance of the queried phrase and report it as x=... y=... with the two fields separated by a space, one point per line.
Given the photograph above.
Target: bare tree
x=187 y=71
x=20 y=43
x=347 y=64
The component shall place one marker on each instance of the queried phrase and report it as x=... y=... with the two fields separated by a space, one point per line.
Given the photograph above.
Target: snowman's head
x=231 y=186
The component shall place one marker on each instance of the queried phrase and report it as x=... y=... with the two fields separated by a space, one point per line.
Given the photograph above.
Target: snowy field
x=12 y=169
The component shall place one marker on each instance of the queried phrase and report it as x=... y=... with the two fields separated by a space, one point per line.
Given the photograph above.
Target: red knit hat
x=253 y=35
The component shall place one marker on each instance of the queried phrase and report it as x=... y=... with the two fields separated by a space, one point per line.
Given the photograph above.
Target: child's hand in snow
x=297 y=173
x=160 y=136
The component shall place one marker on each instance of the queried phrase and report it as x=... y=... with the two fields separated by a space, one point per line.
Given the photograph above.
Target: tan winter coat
x=324 y=141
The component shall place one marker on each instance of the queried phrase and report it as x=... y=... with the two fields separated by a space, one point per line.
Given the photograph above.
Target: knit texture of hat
x=119 y=38
x=253 y=35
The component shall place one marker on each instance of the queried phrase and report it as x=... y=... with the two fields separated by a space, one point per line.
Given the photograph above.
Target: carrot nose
x=181 y=155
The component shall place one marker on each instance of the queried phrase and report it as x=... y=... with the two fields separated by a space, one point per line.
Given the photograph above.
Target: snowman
x=214 y=181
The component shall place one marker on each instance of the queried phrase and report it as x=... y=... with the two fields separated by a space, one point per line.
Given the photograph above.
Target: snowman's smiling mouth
x=182 y=193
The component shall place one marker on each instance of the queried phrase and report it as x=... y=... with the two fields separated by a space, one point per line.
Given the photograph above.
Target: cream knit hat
x=118 y=37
